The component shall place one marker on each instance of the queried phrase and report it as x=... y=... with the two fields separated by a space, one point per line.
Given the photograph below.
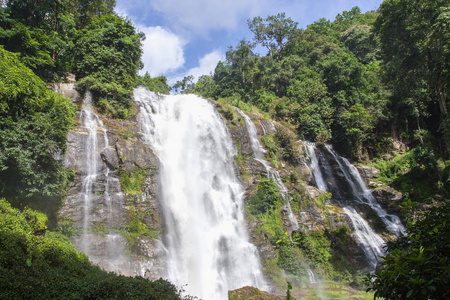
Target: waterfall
x=91 y=123
x=311 y=277
x=370 y=242
x=97 y=186
x=364 y=195
x=314 y=167
x=258 y=151
x=206 y=241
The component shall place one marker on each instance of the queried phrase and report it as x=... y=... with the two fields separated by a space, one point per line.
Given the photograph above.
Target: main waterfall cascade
x=320 y=168
x=207 y=244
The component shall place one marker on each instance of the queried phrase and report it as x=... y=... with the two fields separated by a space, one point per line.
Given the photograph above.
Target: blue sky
x=189 y=37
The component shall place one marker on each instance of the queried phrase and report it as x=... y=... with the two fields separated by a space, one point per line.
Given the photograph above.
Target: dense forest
x=364 y=82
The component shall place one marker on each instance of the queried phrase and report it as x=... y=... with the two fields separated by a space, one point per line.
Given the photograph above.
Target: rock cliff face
x=310 y=217
x=123 y=222
x=119 y=230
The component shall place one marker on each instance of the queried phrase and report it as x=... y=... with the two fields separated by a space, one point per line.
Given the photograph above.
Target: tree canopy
x=107 y=60
x=33 y=124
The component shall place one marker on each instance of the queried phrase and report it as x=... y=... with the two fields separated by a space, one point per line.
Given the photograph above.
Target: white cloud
x=206 y=66
x=163 y=51
x=199 y=17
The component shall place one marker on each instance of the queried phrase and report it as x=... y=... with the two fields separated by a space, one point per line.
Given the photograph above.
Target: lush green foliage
x=417 y=173
x=415 y=38
x=107 y=58
x=349 y=81
x=132 y=181
x=85 y=37
x=33 y=125
x=291 y=260
x=157 y=84
x=266 y=197
x=314 y=245
x=48 y=267
x=417 y=266
x=44 y=32
x=324 y=81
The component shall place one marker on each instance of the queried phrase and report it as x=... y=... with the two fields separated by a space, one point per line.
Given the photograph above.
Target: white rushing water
x=101 y=249
x=371 y=243
x=258 y=151
x=364 y=195
x=314 y=167
x=207 y=242
x=91 y=123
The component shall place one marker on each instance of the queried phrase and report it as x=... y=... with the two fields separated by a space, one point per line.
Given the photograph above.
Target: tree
x=184 y=86
x=272 y=32
x=356 y=124
x=156 y=84
x=417 y=266
x=414 y=39
x=32 y=44
x=107 y=59
x=33 y=125
x=240 y=59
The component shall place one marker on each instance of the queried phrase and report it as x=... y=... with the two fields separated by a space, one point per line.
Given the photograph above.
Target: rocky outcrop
x=249 y=292
x=66 y=89
x=107 y=236
x=367 y=173
x=389 y=199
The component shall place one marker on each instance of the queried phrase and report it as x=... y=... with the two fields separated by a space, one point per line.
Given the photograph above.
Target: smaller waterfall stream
x=258 y=151
x=364 y=195
x=92 y=124
x=371 y=243
x=96 y=189
x=207 y=242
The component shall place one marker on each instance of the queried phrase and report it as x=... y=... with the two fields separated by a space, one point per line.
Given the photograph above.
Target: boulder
x=249 y=292
x=367 y=173
x=388 y=198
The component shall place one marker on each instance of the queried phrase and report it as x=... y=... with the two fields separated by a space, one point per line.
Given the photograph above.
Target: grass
x=332 y=290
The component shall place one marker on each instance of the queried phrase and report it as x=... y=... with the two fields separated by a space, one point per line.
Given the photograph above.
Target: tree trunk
x=442 y=101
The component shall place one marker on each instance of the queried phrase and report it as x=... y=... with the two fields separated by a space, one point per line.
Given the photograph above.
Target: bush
x=287 y=140
x=416 y=266
x=266 y=198
x=49 y=267
x=290 y=260
x=108 y=55
x=33 y=127
x=315 y=247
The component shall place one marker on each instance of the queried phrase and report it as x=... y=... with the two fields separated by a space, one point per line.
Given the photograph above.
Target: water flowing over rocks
x=206 y=243
x=98 y=211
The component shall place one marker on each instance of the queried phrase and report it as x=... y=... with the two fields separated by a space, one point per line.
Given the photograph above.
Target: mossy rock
x=252 y=293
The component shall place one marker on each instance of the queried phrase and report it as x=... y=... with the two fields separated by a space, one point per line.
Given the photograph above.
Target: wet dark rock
x=367 y=173
x=134 y=153
x=388 y=198
x=110 y=158
x=240 y=135
x=110 y=208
